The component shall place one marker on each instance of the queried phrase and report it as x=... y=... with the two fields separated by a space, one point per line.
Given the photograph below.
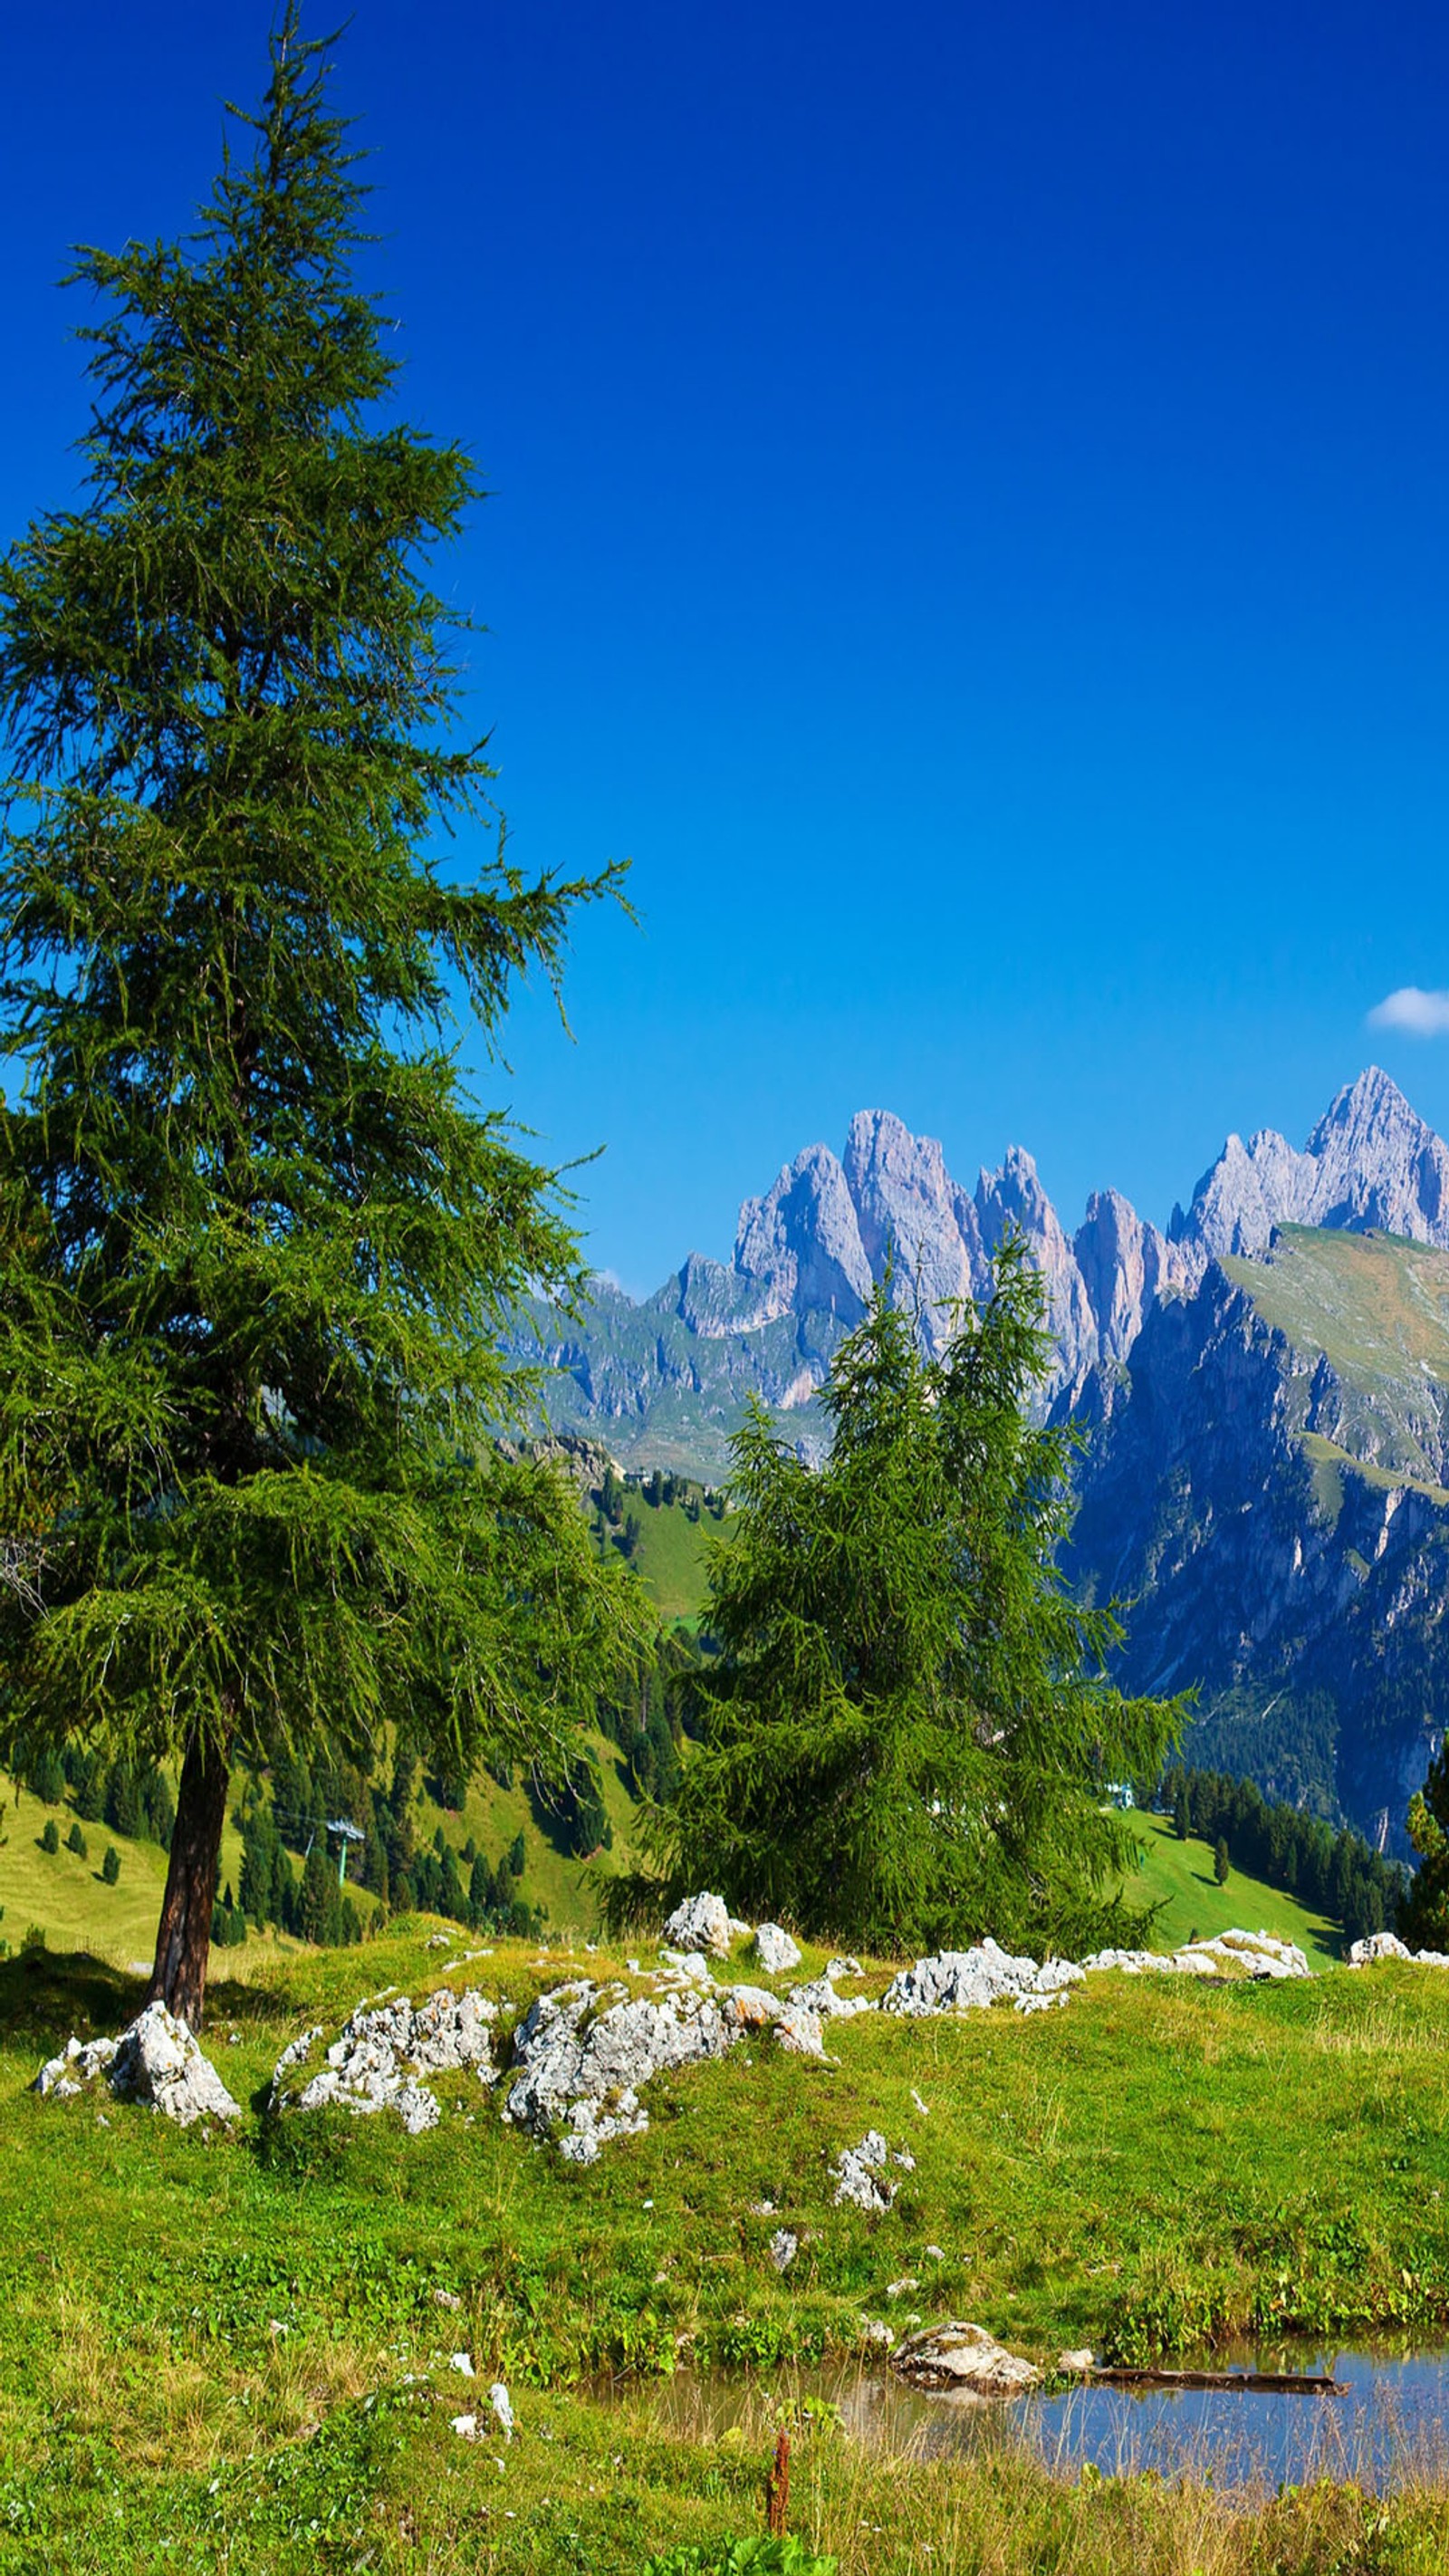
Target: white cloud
x=1423 y=1015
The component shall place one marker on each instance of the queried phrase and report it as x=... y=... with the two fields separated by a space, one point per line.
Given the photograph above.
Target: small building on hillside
x=1119 y=1794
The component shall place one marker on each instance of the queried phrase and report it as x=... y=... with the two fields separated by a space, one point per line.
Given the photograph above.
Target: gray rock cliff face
x=1271 y=1565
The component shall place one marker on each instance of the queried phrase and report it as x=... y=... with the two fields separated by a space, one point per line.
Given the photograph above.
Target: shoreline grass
x=1153 y=2167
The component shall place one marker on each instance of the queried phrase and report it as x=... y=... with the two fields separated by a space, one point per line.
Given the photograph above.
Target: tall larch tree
x=256 y=1238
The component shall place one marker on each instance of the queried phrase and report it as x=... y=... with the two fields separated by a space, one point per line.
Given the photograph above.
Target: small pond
x=1389 y=2429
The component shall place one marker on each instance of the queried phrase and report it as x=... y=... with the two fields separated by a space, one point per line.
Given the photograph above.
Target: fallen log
x=1272 y=2383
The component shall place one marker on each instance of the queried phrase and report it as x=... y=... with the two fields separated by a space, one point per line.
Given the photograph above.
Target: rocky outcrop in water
x=964 y=2359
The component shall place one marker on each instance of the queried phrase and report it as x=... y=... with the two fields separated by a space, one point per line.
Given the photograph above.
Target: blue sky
x=970 y=520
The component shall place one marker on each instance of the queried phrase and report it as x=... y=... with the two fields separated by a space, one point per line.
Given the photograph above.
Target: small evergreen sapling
x=111 y=1865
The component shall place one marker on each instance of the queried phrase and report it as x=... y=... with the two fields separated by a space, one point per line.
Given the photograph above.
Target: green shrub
x=50 y=1839
x=75 y=1841
x=111 y=1865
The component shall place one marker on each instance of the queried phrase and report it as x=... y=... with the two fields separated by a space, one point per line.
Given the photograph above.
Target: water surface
x=1389 y=2429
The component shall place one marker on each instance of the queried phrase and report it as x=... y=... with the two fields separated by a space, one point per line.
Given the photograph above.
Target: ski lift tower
x=346 y=1833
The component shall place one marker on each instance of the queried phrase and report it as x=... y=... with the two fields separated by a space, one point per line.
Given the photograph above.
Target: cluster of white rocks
x=383 y=2052
x=973 y=1980
x=1387 y=1945
x=584 y=2050
x=1227 y=1954
x=704 y=1922
x=155 y=2060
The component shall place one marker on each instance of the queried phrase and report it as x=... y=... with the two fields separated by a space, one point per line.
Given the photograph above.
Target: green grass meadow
x=230 y=2352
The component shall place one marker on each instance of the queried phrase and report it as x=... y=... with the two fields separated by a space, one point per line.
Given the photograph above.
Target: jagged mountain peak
x=1372 y=1109
x=1371 y=1161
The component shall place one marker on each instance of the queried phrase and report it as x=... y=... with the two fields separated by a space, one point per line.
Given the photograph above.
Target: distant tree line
x=132 y=1798
x=1287 y=1742
x=388 y=1862
x=1337 y=1873
x=649 y=1719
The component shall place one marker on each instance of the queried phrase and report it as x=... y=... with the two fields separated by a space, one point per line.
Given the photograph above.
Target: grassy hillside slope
x=1178 y=1876
x=239 y=2346
x=671 y=1558
x=68 y=1898
x=1377 y=1306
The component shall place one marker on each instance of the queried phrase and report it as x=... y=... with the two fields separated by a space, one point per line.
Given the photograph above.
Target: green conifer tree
x=1423 y=1917
x=255 y=1238
x=910 y=1730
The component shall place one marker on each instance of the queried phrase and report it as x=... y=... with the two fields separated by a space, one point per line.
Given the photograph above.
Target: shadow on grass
x=48 y=1994
x=54 y=1992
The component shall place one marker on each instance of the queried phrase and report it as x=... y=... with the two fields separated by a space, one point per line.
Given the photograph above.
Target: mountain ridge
x=665 y=1377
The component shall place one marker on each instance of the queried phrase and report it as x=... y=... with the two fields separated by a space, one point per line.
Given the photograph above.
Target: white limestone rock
x=1251 y=1954
x=859 y=2175
x=799 y=2029
x=701 y=1923
x=775 y=1950
x=155 y=2061
x=819 y=1996
x=382 y=2053
x=1129 y=1963
x=1387 y=1945
x=757 y=2008
x=582 y=2051
x=973 y=1980
x=683 y=1968
x=1227 y=1954
x=963 y=2359
x=1379 y=1945
x=784 y=2246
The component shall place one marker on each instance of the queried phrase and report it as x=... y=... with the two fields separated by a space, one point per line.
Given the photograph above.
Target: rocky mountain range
x=1265 y=1388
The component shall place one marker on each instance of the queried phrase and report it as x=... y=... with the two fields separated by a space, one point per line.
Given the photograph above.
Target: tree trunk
x=183 y=1936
